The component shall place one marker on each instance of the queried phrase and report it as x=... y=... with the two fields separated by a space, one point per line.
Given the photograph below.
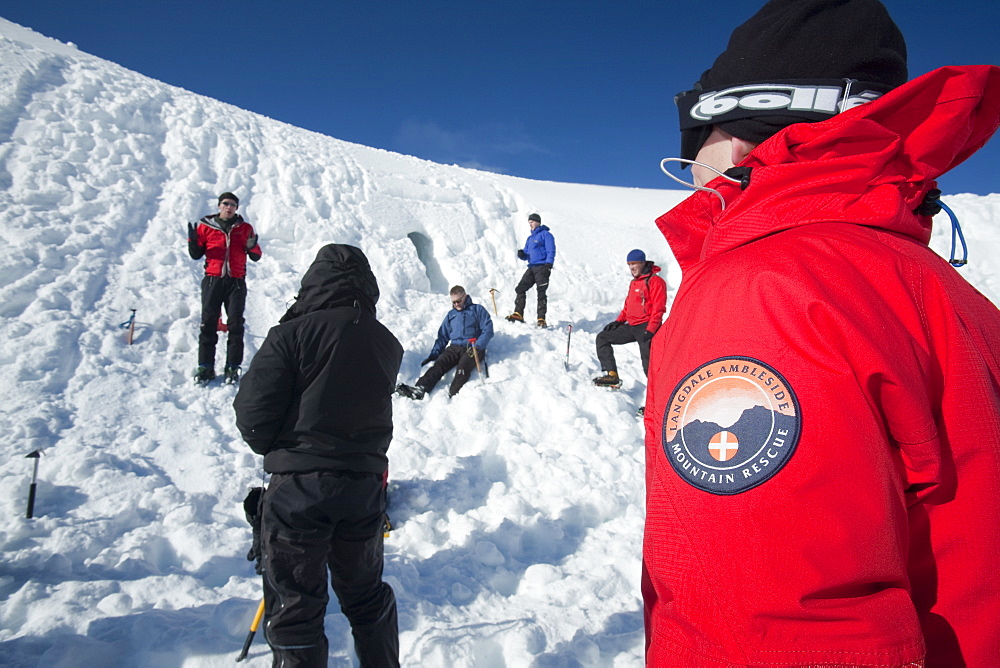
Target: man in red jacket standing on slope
x=645 y=304
x=823 y=407
x=225 y=240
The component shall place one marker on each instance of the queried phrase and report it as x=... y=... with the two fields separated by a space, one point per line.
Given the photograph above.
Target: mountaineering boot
x=541 y=322
x=203 y=374
x=515 y=317
x=300 y=657
x=410 y=391
x=232 y=374
x=609 y=379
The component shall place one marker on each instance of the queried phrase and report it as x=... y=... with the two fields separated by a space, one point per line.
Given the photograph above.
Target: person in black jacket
x=316 y=402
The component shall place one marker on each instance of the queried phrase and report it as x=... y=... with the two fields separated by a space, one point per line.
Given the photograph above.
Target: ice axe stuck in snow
x=130 y=326
x=493 y=295
x=36 y=455
x=569 y=335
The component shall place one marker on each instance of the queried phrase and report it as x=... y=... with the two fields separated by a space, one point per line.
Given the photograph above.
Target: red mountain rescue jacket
x=823 y=410
x=646 y=301
x=226 y=252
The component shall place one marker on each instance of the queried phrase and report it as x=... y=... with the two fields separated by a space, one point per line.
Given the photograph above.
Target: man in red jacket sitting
x=225 y=240
x=641 y=316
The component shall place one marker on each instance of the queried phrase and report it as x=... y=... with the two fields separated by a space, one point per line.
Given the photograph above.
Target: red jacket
x=226 y=252
x=823 y=408
x=646 y=301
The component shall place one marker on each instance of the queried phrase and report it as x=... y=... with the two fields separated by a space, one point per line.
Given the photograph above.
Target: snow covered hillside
x=518 y=505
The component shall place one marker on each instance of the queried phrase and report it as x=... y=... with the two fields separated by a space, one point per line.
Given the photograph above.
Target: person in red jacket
x=823 y=404
x=225 y=240
x=645 y=304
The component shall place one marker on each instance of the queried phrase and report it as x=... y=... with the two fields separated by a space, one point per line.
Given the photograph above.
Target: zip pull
x=931 y=206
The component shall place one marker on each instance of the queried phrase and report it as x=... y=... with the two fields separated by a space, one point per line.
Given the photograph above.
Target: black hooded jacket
x=317 y=396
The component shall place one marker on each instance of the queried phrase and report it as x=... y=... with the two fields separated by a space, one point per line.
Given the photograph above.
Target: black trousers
x=454 y=356
x=217 y=292
x=618 y=336
x=318 y=522
x=538 y=276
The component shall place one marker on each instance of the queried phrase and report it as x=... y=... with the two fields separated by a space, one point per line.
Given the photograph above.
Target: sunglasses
x=228 y=203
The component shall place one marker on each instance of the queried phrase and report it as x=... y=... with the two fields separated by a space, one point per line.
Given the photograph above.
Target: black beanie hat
x=229 y=196
x=809 y=59
x=535 y=217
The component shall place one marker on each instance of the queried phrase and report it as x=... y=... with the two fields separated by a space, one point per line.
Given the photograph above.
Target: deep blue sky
x=576 y=91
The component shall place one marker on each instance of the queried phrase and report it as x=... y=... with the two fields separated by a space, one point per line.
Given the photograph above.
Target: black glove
x=426 y=360
x=614 y=324
x=252 y=505
x=521 y=255
x=548 y=265
x=647 y=335
x=194 y=248
x=251 y=241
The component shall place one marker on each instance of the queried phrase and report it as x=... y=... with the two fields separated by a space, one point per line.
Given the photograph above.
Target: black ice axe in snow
x=36 y=455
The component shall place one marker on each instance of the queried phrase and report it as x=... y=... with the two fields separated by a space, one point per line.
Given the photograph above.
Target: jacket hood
x=212 y=220
x=540 y=228
x=870 y=165
x=650 y=269
x=339 y=276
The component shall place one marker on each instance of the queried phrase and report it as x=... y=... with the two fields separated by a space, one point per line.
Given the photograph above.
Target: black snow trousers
x=216 y=292
x=318 y=522
x=535 y=275
x=618 y=336
x=454 y=356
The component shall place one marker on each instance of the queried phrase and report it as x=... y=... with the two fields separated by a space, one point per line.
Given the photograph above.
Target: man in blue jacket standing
x=461 y=342
x=540 y=252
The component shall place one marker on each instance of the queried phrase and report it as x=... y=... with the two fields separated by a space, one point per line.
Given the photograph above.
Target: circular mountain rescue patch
x=731 y=424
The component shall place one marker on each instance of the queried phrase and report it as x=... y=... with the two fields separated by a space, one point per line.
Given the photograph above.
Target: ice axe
x=36 y=455
x=569 y=335
x=475 y=356
x=493 y=293
x=130 y=326
x=253 y=630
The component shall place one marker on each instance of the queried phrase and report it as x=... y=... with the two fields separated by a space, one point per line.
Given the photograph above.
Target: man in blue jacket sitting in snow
x=461 y=342
x=540 y=252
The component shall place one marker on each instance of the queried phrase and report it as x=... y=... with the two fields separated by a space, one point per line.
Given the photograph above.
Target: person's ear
x=741 y=149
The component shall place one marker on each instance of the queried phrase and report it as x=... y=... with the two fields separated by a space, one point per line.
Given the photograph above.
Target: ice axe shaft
x=475 y=356
x=130 y=326
x=569 y=335
x=36 y=455
x=493 y=295
x=253 y=630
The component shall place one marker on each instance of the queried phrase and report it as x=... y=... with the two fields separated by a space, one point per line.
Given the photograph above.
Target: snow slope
x=518 y=505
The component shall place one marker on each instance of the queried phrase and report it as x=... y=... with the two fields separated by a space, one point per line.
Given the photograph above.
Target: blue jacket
x=472 y=322
x=540 y=246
